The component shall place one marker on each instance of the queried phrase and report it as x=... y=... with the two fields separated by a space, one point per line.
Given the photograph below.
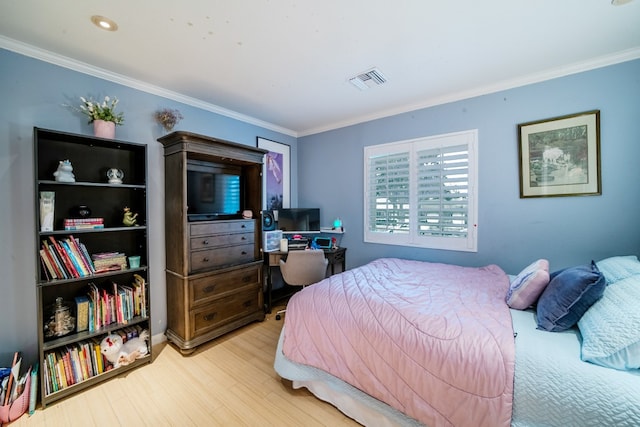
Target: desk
x=272 y=259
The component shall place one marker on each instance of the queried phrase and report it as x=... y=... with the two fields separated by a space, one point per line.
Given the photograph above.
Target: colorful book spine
x=62 y=254
x=83 y=221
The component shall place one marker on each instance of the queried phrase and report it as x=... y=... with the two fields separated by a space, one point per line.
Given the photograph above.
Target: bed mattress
x=552 y=387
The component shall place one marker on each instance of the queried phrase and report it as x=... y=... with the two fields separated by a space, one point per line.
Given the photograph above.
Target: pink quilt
x=434 y=341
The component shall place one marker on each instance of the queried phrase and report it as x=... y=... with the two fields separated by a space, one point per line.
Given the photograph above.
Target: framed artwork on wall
x=276 y=170
x=560 y=156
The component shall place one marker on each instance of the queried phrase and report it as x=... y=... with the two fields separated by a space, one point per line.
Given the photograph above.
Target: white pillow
x=527 y=286
x=611 y=327
x=619 y=267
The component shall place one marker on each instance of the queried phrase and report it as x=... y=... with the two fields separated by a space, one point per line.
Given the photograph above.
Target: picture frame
x=276 y=174
x=560 y=156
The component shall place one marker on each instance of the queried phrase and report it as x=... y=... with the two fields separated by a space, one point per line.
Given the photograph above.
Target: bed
x=401 y=342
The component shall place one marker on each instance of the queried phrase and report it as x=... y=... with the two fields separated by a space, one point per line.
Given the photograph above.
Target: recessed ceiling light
x=619 y=2
x=104 y=23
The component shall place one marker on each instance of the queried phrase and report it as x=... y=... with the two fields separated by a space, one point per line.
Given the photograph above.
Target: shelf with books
x=71 y=263
x=77 y=371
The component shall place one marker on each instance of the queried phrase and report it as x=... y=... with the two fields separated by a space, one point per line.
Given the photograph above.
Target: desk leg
x=268 y=297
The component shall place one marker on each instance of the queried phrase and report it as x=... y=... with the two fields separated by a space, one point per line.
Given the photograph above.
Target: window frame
x=412 y=146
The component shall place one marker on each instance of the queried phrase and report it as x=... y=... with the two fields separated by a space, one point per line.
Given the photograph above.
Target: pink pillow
x=526 y=287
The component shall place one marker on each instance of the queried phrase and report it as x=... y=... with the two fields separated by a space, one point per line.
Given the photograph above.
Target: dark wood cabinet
x=214 y=265
x=62 y=354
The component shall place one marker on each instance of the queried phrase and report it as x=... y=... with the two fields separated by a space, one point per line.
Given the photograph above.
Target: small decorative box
x=271 y=241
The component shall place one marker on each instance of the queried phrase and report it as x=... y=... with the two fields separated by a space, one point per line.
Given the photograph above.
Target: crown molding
x=579 y=67
x=65 y=62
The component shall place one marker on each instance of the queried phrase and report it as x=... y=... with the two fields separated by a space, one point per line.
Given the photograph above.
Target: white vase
x=104 y=129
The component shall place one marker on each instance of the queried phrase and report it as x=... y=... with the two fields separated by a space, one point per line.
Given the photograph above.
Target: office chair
x=302 y=268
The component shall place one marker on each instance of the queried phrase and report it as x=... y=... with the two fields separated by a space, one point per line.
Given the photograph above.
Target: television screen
x=299 y=220
x=212 y=195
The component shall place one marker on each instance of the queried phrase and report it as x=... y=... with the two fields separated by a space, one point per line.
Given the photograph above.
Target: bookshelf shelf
x=115 y=301
x=85 y=335
x=45 y=182
x=93 y=230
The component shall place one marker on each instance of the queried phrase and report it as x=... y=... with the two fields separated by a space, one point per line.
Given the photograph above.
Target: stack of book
x=83 y=223
x=78 y=362
x=105 y=305
x=66 y=258
x=73 y=364
x=109 y=261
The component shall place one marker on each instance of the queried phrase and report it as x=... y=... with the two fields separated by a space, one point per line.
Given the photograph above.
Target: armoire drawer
x=225 y=310
x=216 y=241
x=221 y=227
x=205 y=289
x=220 y=257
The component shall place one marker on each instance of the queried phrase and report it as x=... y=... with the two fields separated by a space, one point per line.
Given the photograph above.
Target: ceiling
x=286 y=64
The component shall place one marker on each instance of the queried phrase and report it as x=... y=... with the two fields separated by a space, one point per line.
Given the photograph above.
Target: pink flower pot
x=104 y=129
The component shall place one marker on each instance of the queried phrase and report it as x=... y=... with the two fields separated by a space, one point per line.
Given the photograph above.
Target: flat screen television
x=213 y=191
x=299 y=220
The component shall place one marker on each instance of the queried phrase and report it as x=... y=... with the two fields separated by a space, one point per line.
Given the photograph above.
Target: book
x=12 y=375
x=74 y=244
x=55 y=262
x=87 y=257
x=83 y=221
x=62 y=254
x=50 y=273
x=33 y=392
x=84 y=227
x=77 y=265
x=82 y=313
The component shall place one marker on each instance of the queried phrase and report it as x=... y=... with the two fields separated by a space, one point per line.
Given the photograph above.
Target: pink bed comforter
x=434 y=341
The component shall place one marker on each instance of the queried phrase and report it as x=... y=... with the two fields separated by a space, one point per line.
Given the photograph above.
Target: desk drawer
x=210 y=287
x=225 y=310
x=219 y=257
x=221 y=227
x=217 y=241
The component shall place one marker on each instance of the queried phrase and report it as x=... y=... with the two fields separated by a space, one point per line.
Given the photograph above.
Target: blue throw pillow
x=568 y=296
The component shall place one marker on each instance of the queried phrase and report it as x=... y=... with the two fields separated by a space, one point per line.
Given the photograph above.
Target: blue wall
x=512 y=232
x=32 y=93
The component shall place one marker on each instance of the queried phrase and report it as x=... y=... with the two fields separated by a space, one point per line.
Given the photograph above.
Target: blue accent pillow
x=619 y=267
x=611 y=327
x=568 y=296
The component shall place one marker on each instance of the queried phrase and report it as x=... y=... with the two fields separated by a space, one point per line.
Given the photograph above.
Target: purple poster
x=274 y=181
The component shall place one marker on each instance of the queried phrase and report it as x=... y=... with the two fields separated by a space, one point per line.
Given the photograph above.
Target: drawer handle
x=244 y=238
x=244 y=252
x=205 y=259
x=209 y=289
x=247 y=279
x=243 y=226
x=205 y=242
x=209 y=317
x=247 y=303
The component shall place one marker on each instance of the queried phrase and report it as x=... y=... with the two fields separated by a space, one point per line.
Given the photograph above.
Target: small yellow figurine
x=129 y=217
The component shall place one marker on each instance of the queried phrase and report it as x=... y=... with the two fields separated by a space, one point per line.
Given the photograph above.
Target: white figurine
x=64 y=172
x=115 y=176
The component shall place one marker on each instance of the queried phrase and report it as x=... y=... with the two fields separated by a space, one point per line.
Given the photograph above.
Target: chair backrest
x=304 y=267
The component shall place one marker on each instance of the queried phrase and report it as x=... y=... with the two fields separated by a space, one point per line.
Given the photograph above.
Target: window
x=423 y=192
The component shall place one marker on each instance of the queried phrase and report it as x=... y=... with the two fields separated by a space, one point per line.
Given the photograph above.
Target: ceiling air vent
x=371 y=78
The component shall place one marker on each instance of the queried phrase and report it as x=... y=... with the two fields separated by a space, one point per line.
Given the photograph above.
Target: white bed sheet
x=553 y=387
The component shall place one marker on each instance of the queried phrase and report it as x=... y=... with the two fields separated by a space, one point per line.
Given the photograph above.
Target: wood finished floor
x=227 y=382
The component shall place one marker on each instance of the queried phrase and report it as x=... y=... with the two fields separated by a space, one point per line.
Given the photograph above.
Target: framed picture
x=276 y=179
x=560 y=156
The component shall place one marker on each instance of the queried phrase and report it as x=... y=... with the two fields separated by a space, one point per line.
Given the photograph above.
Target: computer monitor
x=299 y=220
